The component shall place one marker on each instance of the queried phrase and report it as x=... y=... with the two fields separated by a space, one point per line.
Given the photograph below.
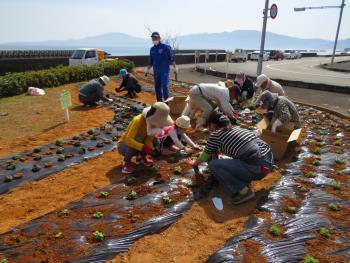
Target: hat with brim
x=183 y=122
x=158 y=115
x=155 y=34
x=260 y=80
x=229 y=83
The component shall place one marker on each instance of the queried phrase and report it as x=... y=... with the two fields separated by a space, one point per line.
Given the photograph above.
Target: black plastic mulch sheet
x=67 y=235
x=51 y=158
x=310 y=216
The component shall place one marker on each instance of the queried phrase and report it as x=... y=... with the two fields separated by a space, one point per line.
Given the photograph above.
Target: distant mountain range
x=247 y=39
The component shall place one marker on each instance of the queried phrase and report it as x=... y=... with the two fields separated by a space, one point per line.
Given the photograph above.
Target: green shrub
x=12 y=84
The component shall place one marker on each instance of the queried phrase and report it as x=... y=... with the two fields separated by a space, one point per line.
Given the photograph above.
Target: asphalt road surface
x=304 y=69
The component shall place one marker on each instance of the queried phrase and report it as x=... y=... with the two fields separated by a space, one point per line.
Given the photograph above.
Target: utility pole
x=262 y=44
x=298 y=9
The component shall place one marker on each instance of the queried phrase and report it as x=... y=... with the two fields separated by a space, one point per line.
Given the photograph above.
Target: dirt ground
x=193 y=238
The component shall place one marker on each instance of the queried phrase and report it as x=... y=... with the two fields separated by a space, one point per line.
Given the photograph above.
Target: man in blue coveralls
x=161 y=56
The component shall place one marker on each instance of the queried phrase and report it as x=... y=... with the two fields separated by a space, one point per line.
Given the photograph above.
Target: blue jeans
x=161 y=80
x=235 y=174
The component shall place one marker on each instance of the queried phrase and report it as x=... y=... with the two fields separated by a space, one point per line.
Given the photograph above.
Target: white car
x=255 y=56
x=86 y=56
x=290 y=54
x=239 y=55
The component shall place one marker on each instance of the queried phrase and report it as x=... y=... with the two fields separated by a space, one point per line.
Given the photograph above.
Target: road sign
x=66 y=99
x=273 y=11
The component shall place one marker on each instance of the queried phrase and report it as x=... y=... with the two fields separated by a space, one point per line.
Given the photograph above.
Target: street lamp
x=298 y=9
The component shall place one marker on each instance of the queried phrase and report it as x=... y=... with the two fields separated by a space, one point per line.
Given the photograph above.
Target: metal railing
x=35 y=53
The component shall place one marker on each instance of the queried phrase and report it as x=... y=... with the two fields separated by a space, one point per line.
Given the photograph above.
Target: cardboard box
x=177 y=104
x=278 y=141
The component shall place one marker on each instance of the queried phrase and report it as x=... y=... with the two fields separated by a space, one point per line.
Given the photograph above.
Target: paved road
x=305 y=69
x=331 y=100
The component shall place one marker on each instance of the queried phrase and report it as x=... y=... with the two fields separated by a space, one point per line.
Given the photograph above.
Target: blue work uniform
x=161 y=56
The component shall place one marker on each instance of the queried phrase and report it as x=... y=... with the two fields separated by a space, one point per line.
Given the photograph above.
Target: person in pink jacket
x=174 y=137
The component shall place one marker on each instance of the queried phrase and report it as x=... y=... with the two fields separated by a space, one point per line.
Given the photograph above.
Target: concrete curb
x=291 y=83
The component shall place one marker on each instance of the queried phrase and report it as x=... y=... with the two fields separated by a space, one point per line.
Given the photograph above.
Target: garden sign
x=66 y=102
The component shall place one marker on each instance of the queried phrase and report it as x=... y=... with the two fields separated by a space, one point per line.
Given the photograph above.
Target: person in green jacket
x=93 y=91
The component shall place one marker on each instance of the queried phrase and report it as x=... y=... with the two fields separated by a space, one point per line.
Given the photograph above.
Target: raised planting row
x=306 y=215
x=45 y=160
x=107 y=221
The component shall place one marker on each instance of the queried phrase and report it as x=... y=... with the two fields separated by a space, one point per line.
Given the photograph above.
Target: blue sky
x=37 y=20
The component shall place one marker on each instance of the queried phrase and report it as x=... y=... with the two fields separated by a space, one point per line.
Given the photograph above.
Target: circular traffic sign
x=273 y=11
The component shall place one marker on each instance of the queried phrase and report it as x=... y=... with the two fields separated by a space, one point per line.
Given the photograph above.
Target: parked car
x=298 y=54
x=239 y=55
x=290 y=54
x=255 y=56
x=86 y=56
x=276 y=55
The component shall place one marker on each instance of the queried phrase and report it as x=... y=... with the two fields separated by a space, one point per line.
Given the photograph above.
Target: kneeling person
x=129 y=83
x=250 y=157
x=93 y=91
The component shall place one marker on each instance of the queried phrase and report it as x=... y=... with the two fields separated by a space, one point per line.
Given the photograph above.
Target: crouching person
x=250 y=157
x=93 y=91
x=175 y=137
x=129 y=83
x=282 y=113
x=138 y=137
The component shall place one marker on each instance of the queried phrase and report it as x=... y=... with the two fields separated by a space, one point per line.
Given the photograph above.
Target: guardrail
x=35 y=53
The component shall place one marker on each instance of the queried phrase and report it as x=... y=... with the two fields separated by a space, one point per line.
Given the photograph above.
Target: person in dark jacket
x=246 y=86
x=129 y=83
x=93 y=91
x=161 y=56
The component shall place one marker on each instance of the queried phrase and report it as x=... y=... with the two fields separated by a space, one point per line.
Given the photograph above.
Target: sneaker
x=127 y=168
x=243 y=196
x=144 y=160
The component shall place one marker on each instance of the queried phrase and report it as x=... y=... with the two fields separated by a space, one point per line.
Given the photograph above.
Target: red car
x=276 y=55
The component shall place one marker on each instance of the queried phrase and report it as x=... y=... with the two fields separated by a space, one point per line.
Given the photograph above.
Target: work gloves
x=147 y=150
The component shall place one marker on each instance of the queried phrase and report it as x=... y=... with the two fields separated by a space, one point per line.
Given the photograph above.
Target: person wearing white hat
x=265 y=83
x=137 y=140
x=93 y=91
x=205 y=97
x=175 y=138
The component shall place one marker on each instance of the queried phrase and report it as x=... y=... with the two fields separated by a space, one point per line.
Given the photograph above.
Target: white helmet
x=105 y=79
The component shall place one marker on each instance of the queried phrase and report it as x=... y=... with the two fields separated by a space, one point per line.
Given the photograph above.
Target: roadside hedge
x=13 y=84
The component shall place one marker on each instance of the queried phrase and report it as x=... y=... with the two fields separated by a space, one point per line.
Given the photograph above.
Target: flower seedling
x=132 y=195
x=104 y=194
x=4 y=260
x=15 y=238
x=167 y=200
x=97 y=215
x=309 y=259
x=319 y=144
x=337 y=129
x=171 y=159
x=317 y=150
x=76 y=137
x=275 y=167
x=61 y=158
x=36 y=168
x=131 y=180
x=11 y=166
x=275 y=230
x=188 y=183
x=319 y=138
x=93 y=138
x=8 y=178
x=338 y=142
x=77 y=144
x=292 y=209
x=91 y=148
x=37 y=150
x=59 y=143
x=99 y=144
x=316 y=162
x=98 y=236
x=325 y=232
x=336 y=185
x=311 y=174
x=177 y=169
x=340 y=162
x=16 y=157
x=90 y=132
x=333 y=206
x=81 y=150
x=64 y=212
x=60 y=150
x=59 y=235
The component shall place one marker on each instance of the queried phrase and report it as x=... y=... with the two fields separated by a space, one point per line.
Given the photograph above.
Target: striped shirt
x=219 y=94
x=231 y=141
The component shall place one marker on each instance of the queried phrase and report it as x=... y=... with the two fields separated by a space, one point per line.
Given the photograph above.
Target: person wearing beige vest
x=265 y=83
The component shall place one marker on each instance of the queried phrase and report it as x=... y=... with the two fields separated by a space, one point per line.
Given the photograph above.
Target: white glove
x=275 y=125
